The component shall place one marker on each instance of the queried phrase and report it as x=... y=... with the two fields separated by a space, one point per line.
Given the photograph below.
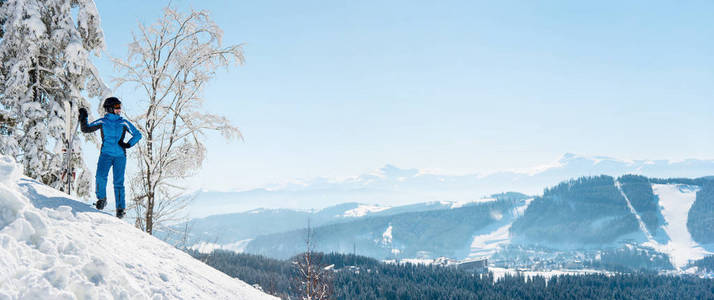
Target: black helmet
x=110 y=104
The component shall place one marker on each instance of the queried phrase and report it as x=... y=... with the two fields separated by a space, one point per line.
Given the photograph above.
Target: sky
x=339 y=88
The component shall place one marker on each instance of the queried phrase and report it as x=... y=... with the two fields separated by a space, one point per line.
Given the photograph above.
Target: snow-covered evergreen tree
x=44 y=55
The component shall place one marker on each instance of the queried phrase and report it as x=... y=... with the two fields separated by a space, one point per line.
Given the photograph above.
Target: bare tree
x=179 y=235
x=312 y=279
x=171 y=61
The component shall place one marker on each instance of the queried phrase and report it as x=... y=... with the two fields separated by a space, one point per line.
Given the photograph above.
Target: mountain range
x=602 y=221
x=393 y=186
x=233 y=228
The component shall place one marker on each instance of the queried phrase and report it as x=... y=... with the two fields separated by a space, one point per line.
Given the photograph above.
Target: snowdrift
x=54 y=247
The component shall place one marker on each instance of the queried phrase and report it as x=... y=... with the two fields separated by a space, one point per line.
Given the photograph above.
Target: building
x=473 y=266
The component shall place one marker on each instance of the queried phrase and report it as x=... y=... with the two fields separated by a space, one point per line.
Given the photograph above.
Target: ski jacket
x=113 y=128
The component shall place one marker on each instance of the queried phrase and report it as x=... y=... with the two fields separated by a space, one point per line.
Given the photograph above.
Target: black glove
x=124 y=145
x=82 y=114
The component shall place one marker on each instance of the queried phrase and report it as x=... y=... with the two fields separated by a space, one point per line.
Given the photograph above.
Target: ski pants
x=118 y=164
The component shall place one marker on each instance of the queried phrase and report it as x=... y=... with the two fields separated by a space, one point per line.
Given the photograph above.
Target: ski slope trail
x=53 y=247
x=643 y=228
x=675 y=201
x=492 y=238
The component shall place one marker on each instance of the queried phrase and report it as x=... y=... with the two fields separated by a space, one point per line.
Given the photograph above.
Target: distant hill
x=604 y=222
x=432 y=233
x=579 y=212
x=237 y=227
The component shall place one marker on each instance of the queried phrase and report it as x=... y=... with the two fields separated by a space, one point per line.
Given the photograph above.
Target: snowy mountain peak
x=394 y=186
x=568 y=156
x=571 y=159
x=391 y=171
x=54 y=247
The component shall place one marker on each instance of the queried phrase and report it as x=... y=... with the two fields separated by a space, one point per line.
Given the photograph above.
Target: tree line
x=358 y=277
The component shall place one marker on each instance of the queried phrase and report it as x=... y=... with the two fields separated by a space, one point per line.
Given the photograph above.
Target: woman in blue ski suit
x=113 y=154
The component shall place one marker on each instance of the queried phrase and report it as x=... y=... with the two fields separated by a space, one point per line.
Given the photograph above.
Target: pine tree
x=44 y=52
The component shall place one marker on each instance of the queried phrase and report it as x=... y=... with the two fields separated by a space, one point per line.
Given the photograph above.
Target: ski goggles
x=116 y=106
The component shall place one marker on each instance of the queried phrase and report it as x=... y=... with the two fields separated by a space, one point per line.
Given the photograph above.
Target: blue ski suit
x=113 y=154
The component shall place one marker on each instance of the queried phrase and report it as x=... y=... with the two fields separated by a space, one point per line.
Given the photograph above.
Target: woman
x=113 y=154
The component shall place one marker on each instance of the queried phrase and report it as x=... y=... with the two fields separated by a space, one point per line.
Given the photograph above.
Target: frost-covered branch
x=171 y=60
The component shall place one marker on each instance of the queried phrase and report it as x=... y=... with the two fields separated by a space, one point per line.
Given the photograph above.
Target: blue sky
x=339 y=88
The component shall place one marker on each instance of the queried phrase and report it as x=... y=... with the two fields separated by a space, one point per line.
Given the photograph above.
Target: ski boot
x=120 y=213
x=101 y=203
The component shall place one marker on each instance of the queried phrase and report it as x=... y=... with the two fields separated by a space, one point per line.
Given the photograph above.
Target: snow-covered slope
x=490 y=240
x=362 y=210
x=676 y=200
x=53 y=247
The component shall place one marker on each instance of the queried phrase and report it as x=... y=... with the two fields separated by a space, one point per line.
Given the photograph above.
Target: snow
x=53 y=247
x=488 y=241
x=362 y=210
x=675 y=201
x=48 y=29
x=416 y=261
x=387 y=236
x=519 y=211
x=499 y=273
x=485 y=245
